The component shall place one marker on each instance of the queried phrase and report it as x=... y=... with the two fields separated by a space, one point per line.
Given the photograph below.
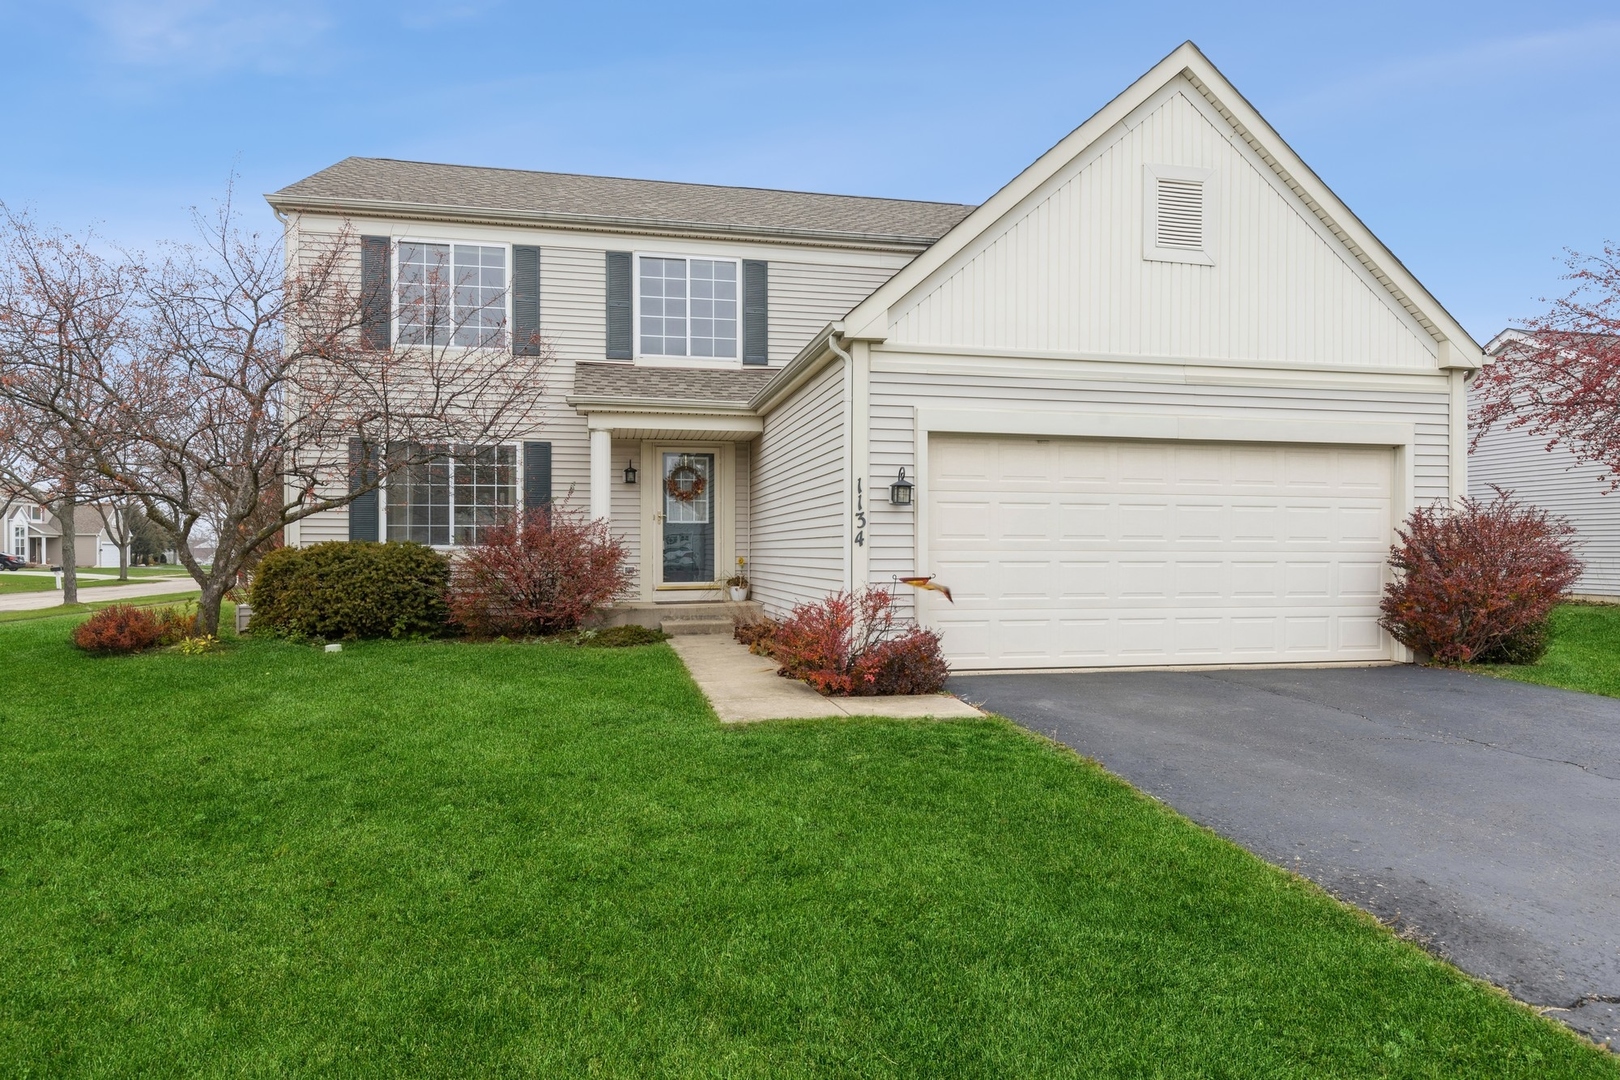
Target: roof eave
x=285 y=203
x=661 y=404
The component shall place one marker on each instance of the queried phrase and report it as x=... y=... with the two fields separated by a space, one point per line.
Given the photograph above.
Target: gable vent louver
x=1181 y=214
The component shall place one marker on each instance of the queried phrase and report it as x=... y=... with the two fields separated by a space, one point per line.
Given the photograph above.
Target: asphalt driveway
x=1477 y=815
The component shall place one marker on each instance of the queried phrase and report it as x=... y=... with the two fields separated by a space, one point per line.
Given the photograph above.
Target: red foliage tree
x=1477 y=582
x=852 y=644
x=1560 y=376
x=540 y=574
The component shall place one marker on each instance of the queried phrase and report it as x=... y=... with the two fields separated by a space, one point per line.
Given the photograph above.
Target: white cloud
x=1495 y=60
x=204 y=36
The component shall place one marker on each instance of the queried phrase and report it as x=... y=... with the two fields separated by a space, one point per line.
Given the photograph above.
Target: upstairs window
x=1178 y=208
x=452 y=294
x=687 y=307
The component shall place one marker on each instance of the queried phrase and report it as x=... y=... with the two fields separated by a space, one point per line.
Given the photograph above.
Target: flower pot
x=739 y=593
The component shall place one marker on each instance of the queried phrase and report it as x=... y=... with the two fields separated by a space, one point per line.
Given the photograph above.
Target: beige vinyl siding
x=1517 y=461
x=798 y=496
x=624 y=509
x=1064 y=272
x=804 y=297
x=899 y=390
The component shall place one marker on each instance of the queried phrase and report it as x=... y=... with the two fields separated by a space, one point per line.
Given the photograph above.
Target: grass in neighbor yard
x=534 y=860
x=1584 y=654
x=178 y=599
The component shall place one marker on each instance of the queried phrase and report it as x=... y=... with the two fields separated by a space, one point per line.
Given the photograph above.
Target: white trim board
x=1192 y=428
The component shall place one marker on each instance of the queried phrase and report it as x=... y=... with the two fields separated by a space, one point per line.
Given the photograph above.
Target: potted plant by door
x=737 y=584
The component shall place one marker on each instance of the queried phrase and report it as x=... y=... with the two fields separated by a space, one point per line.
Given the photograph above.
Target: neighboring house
x=33 y=533
x=1162 y=398
x=1518 y=461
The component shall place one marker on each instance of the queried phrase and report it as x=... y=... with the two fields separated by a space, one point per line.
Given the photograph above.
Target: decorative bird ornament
x=927 y=583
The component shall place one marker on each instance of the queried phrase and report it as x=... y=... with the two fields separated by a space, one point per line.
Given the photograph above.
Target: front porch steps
x=692 y=617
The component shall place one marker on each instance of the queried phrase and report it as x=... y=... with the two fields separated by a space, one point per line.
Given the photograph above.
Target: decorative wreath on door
x=685 y=483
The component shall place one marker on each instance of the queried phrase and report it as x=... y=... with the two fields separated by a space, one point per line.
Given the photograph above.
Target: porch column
x=601 y=474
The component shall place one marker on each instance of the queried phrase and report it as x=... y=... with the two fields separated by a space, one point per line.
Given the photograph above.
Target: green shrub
x=351 y=590
x=620 y=637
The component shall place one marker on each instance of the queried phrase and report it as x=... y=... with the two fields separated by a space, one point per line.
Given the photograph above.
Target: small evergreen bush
x=351 y=590
x=621 y=637
x=1477 y=583
x=121 y=628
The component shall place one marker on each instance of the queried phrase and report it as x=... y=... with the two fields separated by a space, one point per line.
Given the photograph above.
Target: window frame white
x=1204 y=254
x=394 y=306
x=655 y=359
x=517 y=495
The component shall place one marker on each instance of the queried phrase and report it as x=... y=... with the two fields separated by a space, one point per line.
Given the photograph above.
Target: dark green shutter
x=756 y=312
x=536 y=475
x=375 y=292
x=526 y=301
x=364 y=522
x=620 y=332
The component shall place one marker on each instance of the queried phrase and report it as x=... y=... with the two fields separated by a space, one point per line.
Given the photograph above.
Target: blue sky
x=1477 y=139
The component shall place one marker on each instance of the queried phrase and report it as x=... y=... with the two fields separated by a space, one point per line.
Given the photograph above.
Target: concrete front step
x=645 y=614
x=696 y=626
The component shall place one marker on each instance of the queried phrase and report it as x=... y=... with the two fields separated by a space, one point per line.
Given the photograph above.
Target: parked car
x=11 y=562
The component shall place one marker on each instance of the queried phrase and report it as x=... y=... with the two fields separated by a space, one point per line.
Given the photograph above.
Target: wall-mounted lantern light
x=900 y=490
x=629 y=472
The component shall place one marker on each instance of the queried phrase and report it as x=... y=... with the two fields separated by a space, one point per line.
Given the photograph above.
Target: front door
x=687 y=517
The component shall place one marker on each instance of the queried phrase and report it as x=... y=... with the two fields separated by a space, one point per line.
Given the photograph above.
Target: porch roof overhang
x=654 y=403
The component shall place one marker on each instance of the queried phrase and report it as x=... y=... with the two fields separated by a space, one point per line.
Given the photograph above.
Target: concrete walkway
x=743 y=687
x=49 y=598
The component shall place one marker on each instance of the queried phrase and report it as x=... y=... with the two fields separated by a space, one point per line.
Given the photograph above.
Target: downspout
x=850 y=525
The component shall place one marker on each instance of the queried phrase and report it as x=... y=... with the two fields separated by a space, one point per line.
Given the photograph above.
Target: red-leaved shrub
x=757 y=634
x=1477 y=583
x=540 y=574
x=120 y=628
x=851 y=644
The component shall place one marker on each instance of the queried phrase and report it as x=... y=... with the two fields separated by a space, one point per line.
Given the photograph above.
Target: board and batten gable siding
x=1517 y=461
x=1063 y=272
x=797 y=546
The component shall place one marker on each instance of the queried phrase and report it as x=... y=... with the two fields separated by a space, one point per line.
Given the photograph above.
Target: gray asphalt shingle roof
x=567 y=197
x=665 y=385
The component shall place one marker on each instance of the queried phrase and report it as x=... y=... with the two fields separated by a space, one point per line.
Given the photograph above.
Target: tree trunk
x=66 y=514
x=213 y=593
x=123 y=558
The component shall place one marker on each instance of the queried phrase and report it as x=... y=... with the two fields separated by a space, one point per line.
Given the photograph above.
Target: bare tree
x=118 y=517
x=65 y=325
x=262 y=383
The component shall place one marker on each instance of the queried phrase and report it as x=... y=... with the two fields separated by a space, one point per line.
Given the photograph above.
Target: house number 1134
x=860 y=516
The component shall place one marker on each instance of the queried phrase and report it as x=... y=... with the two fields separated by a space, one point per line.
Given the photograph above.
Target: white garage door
x=1094 y=553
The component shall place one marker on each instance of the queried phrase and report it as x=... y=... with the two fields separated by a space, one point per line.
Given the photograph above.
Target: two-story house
x=34 y=534
x=1160 y=400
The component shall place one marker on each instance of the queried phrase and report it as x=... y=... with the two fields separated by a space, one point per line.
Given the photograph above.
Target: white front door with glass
x=687 y=519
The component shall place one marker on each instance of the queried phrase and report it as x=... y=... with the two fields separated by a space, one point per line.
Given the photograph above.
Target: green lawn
x=520 y=860
x=1584 y=654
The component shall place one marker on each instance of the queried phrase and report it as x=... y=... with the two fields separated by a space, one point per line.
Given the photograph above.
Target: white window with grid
x=451 y=294
x=452 y=498
x=688 y=307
